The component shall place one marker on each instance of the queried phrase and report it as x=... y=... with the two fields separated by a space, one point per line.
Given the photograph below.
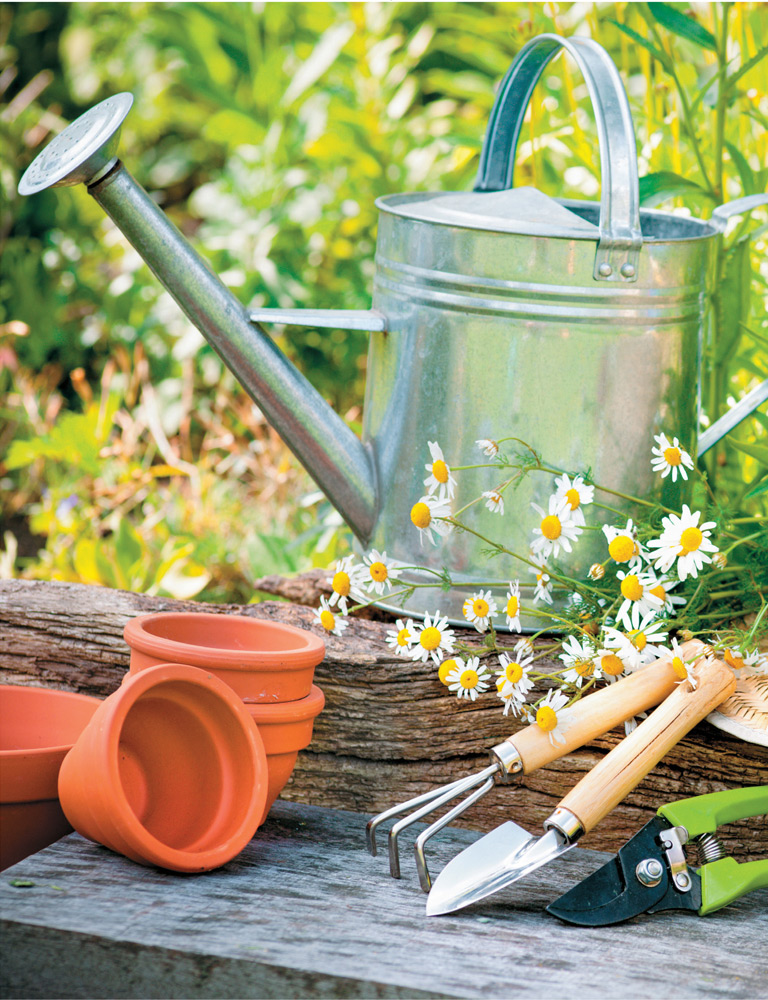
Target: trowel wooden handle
x=598 y=713
x=628 y=763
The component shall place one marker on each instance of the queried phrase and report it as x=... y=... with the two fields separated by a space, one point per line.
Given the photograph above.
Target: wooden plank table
x=306 y=912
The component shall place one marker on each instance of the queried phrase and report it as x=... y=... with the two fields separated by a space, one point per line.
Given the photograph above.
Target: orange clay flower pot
x=170 y=771
x=285 y=729
x=262 y=661
x=38 y=727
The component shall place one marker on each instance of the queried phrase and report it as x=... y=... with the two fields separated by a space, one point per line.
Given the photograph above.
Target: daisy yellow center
x=480 y=607
x=513 y=606
x=468 y=679
x=691 y=539
x=500 y=683
x=378 y=572
x=672 y=456
x=327 y=620
x=445 y=668
x=621 y=549
x=542 y=579
x=584 y=668
x=513 y=672
x=546 y=718
x=573 y=498
x=679 y=667
x=340 y=583
x=551 y=527
x=631 y=587
x=440 y=471
x=403 y=636
x=735 y=661
x=659 y=591
x=420 y=515
x=611 y=665
x=430 y=637
x=638 y=639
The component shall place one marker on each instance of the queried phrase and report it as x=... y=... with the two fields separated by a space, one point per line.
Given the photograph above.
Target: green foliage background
x=267 y=131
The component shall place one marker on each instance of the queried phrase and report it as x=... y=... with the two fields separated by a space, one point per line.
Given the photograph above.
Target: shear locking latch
x=672 y=841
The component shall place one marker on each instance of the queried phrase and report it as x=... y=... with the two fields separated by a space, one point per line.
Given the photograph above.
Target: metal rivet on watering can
x=627 y=271
x=605 y=270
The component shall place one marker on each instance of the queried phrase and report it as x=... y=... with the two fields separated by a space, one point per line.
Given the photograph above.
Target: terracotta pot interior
x=41 y=719
x=174 y=745
x=223 y=632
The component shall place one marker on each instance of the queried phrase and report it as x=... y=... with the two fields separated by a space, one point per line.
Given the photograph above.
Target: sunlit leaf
x=682 y=25
x=658 y=187
x=757 y=451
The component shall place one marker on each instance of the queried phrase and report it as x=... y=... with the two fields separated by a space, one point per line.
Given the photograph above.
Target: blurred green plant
x=267 y=131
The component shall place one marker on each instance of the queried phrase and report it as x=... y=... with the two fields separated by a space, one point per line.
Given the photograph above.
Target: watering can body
x=574 y=327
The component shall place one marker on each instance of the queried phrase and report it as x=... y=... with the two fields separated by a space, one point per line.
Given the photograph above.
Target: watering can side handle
x=746 y=405
x=738 y=206
x=621 y=238
x=369 y=320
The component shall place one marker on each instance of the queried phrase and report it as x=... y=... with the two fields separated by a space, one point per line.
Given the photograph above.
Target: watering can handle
x=620 y=236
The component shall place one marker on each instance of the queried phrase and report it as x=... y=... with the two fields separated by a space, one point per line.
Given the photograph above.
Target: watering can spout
x=339 y=462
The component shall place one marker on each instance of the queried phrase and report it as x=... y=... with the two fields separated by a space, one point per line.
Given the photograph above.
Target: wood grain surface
x=389 y=730
x=304 y=911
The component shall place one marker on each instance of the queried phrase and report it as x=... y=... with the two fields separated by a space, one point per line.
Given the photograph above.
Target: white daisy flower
x=510 y=701
x=488 y=447
x=374 y=576
x=623 y=546
x=342 y=582
x=479 y=609
x=638 y=599
x=683 y=668
x=494 y=501
x=331 y=622
x=513 y=677
x=512 y=607
x=439 y=481
x=611 y=662
x=670 y=458
x=751 y=663
x=402 y=637
x=434 y=639
x=556 y=531
x=547 y=717
x=426 y=515
x=579 y=656
x=662 y=588
x=683 y=539
x=630 y=725
x=640 y=645
x=447 y=667
x=576 y=494
x=469 y=680
x=543 y=591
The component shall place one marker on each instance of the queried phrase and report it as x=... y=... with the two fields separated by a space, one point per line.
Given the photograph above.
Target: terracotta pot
x=38 y=727
x=260 y=660
x=171 y=771
x=285 y=729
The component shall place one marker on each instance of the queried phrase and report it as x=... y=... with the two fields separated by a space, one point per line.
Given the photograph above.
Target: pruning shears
x=650 y=873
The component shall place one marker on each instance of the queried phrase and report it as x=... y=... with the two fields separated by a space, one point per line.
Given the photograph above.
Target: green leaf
x=732 y=301
x=662 y=57
x=757 y=451
x=732 y=80
x=681 y=25
x=747 y=175
x=756 y=491
x=655 y=188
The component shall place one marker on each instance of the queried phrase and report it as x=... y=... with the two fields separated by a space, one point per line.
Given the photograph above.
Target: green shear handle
x=724 y=880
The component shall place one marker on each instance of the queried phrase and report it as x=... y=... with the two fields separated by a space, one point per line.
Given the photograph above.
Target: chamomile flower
x=342 y=582
x=434 y=639
x=447 y=667
x=662 y=588
x=556 y=531
x=479 y=609
x=548 y=716
x=670 y=458
x=682 y=667
x=640 y=645
x=470 y=679
x=402 y=637
x=509 y=700
x=513 y=677
x=576 y=494
x=439 y=481
x=685 y=540
x=543 y=591
x=331 y=622
x=580 y=658
x=374 y=576
x=494 y=501
x=427 y=514
x=751 y=663
x=512 y=606
x=623 y=546
x=611 y=662
x=638 y=599
x=488 y=447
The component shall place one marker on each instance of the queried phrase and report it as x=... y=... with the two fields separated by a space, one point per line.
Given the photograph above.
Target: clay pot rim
x=57 y=748
x=264 y=714
x=126 y=823
x=308 y=649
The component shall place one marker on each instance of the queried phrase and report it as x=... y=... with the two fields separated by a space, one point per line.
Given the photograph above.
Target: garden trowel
x=509 y=852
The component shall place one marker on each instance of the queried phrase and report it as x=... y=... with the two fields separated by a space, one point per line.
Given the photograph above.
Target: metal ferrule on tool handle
x=564 y=821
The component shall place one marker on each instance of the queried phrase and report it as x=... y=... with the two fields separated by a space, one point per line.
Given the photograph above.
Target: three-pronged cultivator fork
x=524 y=752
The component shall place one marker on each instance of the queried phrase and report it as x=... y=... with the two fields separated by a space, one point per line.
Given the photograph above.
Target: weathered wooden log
x=388 y=732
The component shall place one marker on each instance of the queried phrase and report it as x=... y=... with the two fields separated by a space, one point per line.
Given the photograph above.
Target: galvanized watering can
x=574 y=326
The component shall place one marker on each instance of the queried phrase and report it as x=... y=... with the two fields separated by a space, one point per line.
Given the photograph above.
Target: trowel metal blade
x=493 y=862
